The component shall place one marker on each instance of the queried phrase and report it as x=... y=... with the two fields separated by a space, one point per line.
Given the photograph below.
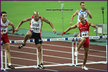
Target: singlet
x=36 y=26
x=4 y=26
x=84 y=29
x=84 y=13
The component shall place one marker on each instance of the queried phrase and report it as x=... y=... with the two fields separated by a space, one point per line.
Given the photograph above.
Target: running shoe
x=84 y=68
x=21 y=46
x=11 y=67
x=40 y=66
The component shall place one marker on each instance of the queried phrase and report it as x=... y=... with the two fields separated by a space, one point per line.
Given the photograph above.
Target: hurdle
x=74 y=59
x=2 y=59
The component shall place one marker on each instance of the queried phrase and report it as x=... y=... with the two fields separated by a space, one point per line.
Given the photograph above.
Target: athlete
x=36 y=22
x=83 y=26
x=83 y=11
x=4 y=36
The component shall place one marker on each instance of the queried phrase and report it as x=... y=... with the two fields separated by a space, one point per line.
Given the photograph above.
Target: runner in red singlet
x=83 y=26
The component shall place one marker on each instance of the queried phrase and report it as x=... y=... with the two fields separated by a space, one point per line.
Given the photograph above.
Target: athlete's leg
x=7 y=48
x=86 y=49
x=85 y=55
x=40 y=65
x=81 y=43
x=27 y=36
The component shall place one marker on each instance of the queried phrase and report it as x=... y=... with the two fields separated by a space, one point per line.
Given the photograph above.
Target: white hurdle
x=2 y=59
x=37 y=57
x=42 y=54
x=72 y=53
x=2 y=68
x=76 y=56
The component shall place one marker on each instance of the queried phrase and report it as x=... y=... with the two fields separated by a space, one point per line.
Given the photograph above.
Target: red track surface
x=55 y=52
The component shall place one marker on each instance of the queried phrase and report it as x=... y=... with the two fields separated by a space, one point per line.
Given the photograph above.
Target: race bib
x=36 y=29
x=3 y=31
x=84 y=34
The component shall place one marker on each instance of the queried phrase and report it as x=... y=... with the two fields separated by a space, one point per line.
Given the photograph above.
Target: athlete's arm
x=74 y=15
x=25 y=20
x=1 y=34
x=88 y=12
x=45 y=20
x=92 y=25
x=72 y=27
x=13 y=28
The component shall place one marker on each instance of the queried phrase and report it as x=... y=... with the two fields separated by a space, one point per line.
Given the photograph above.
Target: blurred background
x=19 y=10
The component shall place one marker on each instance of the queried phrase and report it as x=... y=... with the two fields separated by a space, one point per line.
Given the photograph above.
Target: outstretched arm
x=25 y=20
x=89 y=13
x=72 y=27
x=73 y=16
x=13 y=28
x=45 y=20
x=92 y=25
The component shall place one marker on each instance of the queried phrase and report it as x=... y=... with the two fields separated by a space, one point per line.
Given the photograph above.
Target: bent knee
x=28 y=35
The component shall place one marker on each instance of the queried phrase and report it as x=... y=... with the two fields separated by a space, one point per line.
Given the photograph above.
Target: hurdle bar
x=58 y=39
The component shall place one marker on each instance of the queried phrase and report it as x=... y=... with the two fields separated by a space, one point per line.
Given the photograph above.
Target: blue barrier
x=59 y=39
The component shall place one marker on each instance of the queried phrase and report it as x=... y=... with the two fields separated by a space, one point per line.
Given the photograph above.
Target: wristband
x=64 y=32
x=13 y=31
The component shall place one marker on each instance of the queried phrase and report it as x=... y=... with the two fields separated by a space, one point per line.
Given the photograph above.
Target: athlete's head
x=82 y=4
x=36 y=15
x=81 y=17
x=4 y=15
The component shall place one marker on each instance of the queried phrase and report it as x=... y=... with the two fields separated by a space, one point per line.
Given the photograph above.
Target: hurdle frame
x=54 y=39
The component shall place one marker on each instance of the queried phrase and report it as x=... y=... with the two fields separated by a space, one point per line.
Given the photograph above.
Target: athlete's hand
x=1 y=34
x=87 y=11
x=70 y=23
x=54 y=30
x=16 y=29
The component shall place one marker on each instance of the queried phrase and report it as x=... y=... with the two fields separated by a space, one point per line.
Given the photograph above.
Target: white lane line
x=18 y=65
x=45 y=55
x=89 y=69
x=61 y=51
x=51 y=70
x=53 y=62
x=32 y=60
x=71 y=47
x=97 y=69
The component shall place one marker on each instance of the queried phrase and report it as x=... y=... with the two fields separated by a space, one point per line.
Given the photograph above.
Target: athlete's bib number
x=3 y=31
x=84 y=34
x=36 y=29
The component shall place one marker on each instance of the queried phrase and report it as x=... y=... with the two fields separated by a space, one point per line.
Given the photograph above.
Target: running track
x=55 y=53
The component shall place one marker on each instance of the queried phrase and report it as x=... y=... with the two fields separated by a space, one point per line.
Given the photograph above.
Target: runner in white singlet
x=36 y=22
x=83 y=11
x=4 y=36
